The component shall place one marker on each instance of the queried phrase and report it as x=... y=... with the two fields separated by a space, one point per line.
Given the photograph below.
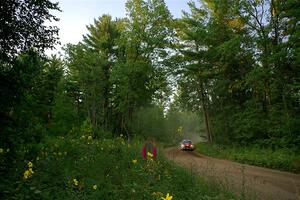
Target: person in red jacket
x=149 y=150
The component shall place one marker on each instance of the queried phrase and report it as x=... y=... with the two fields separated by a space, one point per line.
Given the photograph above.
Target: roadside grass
x=87 y=168
x=281 y=159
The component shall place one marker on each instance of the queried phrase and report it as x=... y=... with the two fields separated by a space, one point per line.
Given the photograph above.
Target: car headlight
x=182 y=145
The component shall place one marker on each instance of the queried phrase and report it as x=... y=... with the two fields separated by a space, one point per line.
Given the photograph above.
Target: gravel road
x=253 y=182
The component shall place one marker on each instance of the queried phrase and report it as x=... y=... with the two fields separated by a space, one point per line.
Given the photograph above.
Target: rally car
x=186 y=145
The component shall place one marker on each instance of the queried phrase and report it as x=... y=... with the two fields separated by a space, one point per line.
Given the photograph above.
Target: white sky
x=76 y=14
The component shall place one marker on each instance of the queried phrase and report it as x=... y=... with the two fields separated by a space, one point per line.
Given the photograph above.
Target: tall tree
x=22 y=28
x=102 y=41
x=242 y=54
x=138 y=73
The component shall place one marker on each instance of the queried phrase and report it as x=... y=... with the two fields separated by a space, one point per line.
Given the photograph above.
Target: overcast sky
x=76 y=14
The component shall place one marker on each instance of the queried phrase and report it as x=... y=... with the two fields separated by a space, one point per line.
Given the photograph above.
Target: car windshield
x=187 y=142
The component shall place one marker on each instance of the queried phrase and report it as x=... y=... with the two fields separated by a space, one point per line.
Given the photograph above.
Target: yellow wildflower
x=168 y=197
x=95 y=187
x=90 y=137
x=134 y=161
x=28 y=173
x=75 y=181
x=149 y=154
x=29 y=164
x=1 y=150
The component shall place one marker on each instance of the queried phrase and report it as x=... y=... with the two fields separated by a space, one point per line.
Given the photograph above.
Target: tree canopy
x=234 y=64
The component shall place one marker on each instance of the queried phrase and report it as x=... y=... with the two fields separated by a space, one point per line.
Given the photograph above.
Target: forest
x=227 y=70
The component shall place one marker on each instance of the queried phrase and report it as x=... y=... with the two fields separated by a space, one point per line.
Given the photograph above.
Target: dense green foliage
x=83 y=168
x=237 y=63
x=27 y=83
x=23 y=27
x=282 y=159
x=116 y=68
x=234 y=62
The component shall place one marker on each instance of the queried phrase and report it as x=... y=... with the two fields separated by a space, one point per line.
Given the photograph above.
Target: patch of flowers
x=29 y=171
x=168 y=197
x=134 y=161
x=82 y=168
x=149 y=156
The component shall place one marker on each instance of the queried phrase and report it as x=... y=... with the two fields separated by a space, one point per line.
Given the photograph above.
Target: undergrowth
x=87 y=168
x=281 y=159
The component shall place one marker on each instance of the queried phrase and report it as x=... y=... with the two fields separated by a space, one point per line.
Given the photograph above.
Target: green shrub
x=282 y=159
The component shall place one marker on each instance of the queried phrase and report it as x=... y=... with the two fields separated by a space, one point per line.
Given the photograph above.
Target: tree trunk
x=205 y=114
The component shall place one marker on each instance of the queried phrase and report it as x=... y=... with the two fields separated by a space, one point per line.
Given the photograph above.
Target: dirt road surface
x=249 y=181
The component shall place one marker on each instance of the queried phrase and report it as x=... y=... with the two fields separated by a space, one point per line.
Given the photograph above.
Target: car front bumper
x=187 y=148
